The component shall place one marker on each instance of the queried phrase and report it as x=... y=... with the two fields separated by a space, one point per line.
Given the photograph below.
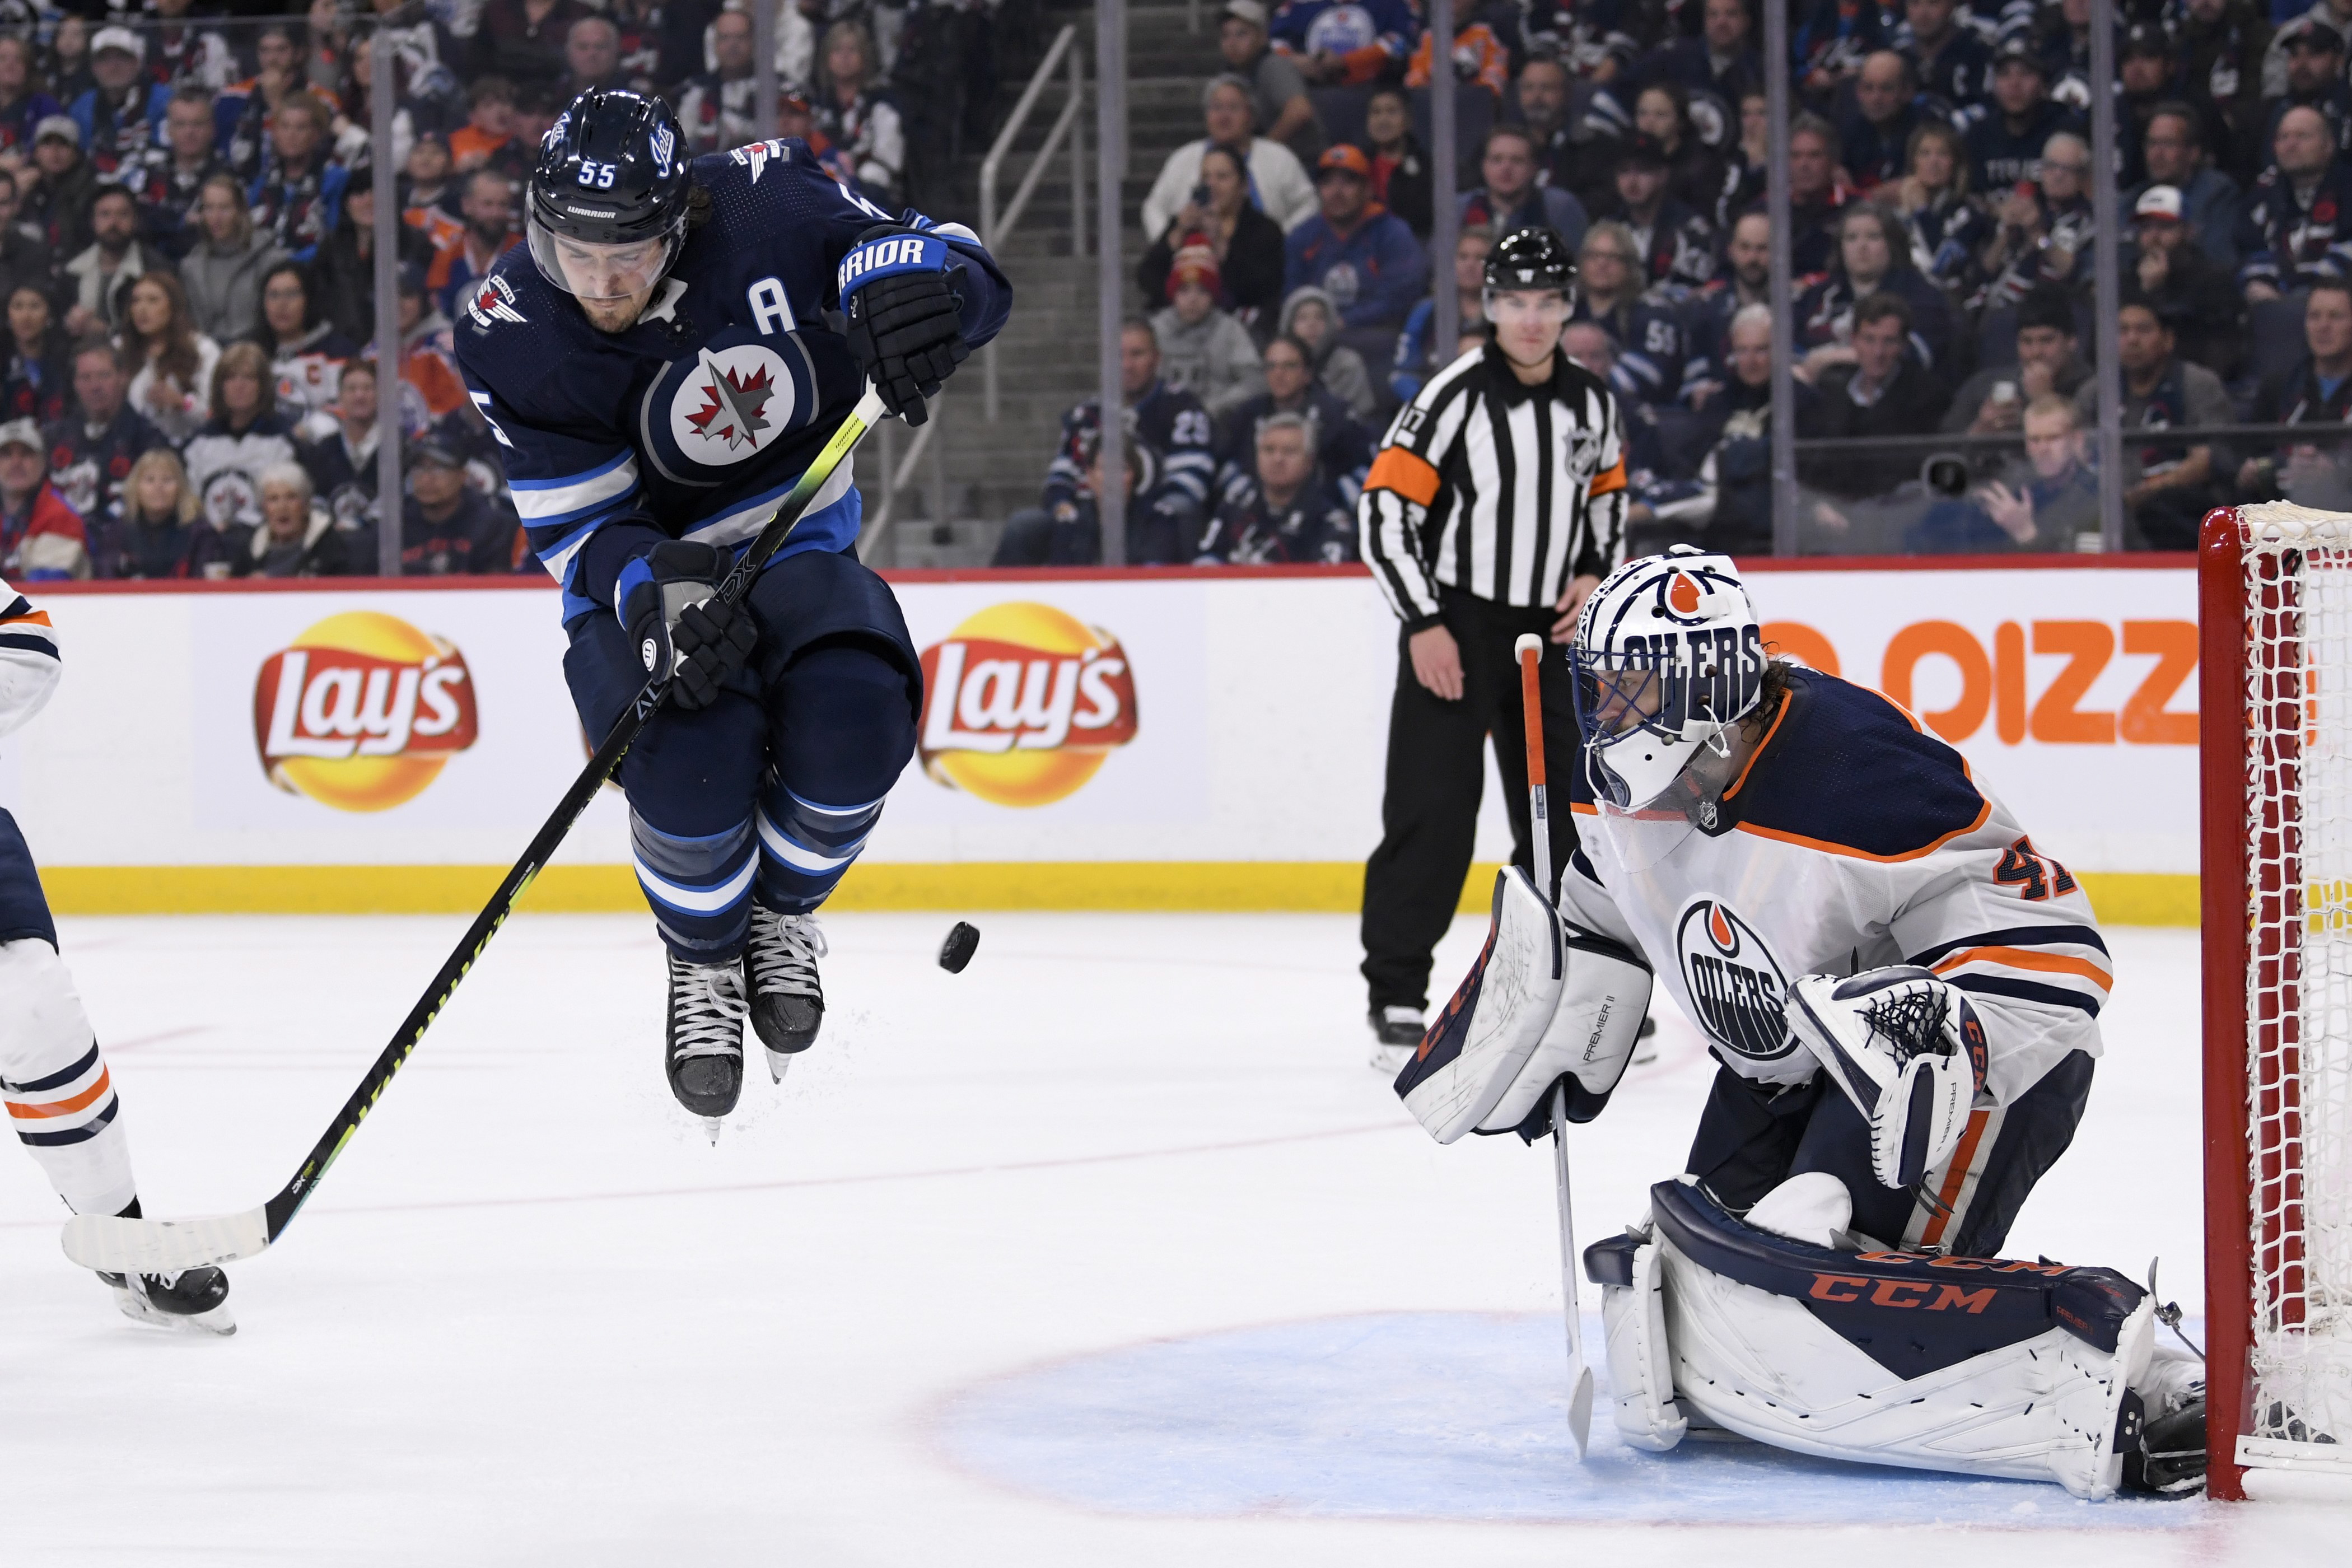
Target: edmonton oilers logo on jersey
x=1735 y=983
x=732 y=403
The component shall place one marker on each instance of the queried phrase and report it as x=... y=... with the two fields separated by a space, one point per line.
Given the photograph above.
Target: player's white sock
x=60 y=1098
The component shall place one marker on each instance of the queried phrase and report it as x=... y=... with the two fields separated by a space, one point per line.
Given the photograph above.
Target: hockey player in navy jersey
x=1902 y=991
x=658 y=367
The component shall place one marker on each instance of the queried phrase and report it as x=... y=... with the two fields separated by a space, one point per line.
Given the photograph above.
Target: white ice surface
x=1110 y=1251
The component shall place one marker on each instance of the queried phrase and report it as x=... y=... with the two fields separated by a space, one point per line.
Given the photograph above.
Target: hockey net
x=2276 y=592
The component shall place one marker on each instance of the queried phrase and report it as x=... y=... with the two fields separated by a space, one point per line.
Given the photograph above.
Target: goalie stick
x=118 y=1246
x=1530 y=651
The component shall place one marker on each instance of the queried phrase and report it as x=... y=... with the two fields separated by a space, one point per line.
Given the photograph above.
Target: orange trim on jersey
x=1984 y=810
x=82 y=1101
x=1754 y=756
x=1407 y=473
x=2026 y=958
x=1957 y=1176
x=1582 y=808
x=33 y=617
x=1609 y=481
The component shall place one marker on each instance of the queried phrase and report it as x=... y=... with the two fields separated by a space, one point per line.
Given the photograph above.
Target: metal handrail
x=895 y=476
x=994 y=227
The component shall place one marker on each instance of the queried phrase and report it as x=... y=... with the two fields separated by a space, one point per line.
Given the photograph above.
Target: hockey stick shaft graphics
x=157 y=1247
x=1530 y=650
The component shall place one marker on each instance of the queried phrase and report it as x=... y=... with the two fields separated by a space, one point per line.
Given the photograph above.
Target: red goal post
x=2274 y=592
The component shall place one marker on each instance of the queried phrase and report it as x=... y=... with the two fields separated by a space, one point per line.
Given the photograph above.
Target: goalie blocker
x=1545 y=1003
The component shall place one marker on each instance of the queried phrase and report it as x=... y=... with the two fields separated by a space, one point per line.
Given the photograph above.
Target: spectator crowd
x=187 y=248
x=1941 y=185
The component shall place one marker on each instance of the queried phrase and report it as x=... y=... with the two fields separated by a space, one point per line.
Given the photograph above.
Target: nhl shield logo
x=1735 y=984
x=731 y=405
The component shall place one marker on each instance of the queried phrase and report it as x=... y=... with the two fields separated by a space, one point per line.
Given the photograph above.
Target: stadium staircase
x=979 y=473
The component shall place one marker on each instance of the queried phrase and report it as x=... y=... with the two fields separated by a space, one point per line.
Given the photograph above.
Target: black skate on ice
x=1396 y=1033
x=787 y=1002
x=2170 y=1460
x=194 y=1300
x=704 y=1055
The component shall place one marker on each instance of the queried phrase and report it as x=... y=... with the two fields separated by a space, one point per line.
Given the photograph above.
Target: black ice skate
x=1396 y=1032
x=194 y=1300
x=705 y=1050
x=787 y=1002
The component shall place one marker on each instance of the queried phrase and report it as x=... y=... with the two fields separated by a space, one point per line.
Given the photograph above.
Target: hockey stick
x=120 y=1246
x=1530 y=651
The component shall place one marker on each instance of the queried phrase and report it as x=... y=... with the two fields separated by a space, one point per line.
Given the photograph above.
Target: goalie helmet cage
x=2275 y=593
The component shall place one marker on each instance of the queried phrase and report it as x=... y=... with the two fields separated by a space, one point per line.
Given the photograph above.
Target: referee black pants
x=1429 y=816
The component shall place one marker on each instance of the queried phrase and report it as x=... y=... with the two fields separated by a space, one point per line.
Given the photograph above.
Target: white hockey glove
x=1544 y=1001
x=1476 y=1048
x=1907 y=1048
x=1604 y=997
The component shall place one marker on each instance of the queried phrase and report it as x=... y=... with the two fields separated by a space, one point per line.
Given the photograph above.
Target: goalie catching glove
x=667 y=598
x=1545 y=1001
x=905 y=323
x=1909 y=1053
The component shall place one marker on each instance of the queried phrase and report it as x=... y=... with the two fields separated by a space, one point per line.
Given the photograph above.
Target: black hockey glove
x=904 y=325
x=668 y=600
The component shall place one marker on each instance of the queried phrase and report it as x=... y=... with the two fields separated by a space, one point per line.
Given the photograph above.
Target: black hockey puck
x=963 y=941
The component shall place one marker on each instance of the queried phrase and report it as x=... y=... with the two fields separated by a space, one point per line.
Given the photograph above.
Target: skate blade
x=777 y=1062
x=218 y=1323
x=711 y=1124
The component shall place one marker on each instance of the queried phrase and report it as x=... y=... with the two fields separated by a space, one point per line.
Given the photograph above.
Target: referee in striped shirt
x=1498 y=502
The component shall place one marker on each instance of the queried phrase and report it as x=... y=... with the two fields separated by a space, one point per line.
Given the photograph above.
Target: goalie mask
x=1668 y=656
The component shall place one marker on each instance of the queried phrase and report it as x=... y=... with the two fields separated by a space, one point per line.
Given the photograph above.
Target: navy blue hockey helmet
x=607 y=206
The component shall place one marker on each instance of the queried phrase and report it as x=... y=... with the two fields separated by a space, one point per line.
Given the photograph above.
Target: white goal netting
x=2297 y=582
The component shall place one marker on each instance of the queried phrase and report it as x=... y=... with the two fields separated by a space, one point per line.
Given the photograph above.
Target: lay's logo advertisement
x=1021 y=703
x=361 y=710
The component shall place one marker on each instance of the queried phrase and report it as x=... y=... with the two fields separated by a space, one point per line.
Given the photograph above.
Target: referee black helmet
x=1531 y=258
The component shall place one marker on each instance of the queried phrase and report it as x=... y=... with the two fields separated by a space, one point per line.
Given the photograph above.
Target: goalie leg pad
x=1474 y=1048
x=1629 y=1269
x=1604 y=994
x=1976 y=1367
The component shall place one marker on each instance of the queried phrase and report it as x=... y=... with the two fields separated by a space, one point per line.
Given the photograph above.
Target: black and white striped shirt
x=1500 y=490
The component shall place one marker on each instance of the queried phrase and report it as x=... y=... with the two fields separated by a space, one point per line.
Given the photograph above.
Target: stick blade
x=1580 y=1411
x=116 y=1246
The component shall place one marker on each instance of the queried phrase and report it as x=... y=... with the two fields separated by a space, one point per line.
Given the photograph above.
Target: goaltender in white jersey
x=1903 y=993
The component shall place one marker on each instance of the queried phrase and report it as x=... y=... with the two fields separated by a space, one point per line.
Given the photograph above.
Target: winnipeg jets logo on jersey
x=494 y=300
x=1734 y=980
x=756 y=156
x=723 y=414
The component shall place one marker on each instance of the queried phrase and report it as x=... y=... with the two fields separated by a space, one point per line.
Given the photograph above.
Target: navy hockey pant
x=1751 y=1140
x=770 y=792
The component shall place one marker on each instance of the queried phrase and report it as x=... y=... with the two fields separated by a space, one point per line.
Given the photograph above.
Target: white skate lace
x=710 y=1009
x=785 y=951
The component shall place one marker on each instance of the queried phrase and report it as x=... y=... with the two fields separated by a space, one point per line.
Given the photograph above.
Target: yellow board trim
x=1306 y=886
